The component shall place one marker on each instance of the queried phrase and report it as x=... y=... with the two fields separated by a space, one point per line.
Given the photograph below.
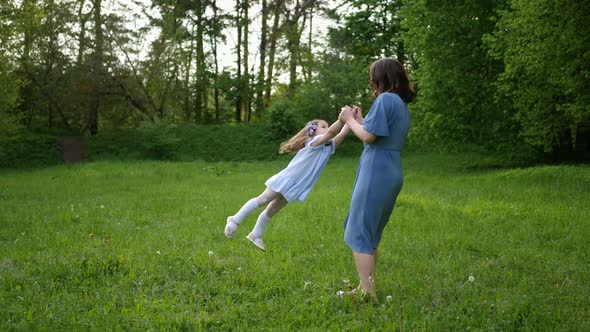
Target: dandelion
x=158 y=252
x=389 y=298
x=340 y=293
x=211 y=253
x=471 y=278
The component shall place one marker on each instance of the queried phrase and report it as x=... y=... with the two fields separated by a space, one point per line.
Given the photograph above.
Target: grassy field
x=140 y=245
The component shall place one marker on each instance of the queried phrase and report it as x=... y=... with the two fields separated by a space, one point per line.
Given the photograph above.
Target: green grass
x=126 y=245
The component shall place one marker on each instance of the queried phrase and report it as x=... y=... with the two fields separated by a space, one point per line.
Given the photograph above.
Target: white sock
x=250 y=206
x=261 y=224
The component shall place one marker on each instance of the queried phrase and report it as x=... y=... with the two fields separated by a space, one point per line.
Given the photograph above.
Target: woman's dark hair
x=388 y=75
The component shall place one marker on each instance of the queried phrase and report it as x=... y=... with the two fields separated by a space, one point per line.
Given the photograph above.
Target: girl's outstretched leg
x=273 y=208
x=254 y=203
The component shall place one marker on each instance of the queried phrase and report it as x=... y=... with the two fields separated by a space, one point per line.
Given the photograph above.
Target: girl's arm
x=341 y=135
x=347 y=116
x=334 y=129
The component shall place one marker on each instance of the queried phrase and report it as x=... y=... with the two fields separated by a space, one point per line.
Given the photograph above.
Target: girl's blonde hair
x=297 y=142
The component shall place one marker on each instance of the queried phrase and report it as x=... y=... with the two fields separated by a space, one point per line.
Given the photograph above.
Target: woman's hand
x=357 y=114
x=353 y=117
x=346 y=113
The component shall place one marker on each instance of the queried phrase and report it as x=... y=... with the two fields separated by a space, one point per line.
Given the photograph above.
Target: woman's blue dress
x=379 y=176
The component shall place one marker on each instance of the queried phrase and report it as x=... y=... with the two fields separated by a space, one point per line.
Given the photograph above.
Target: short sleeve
x=376 y=120
x=331 y=144
x=311 y=140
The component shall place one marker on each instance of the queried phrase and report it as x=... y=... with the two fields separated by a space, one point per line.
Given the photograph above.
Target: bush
x=159 y=140
x=25 y=149
x=165 y=142
x=284 y=118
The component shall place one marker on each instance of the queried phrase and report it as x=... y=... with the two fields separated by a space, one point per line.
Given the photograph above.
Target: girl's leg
x=273 y=208
x=266 y=197
x=233 y=221
x=365 y=267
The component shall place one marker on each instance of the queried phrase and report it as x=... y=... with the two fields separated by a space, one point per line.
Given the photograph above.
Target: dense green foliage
x=20 y=148
x=140 y=246
x=369 y=29
x=500 y=75
x=158 y=141
x=166 y=142
x=544 y=48
x=454 y=74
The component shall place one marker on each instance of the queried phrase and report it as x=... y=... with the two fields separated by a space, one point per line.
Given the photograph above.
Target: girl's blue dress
x=379 y=175
x=296 y=181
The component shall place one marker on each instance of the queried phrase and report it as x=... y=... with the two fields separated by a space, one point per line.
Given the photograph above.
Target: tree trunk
x=272 y=50
x=25 y=63
x=246 y=86
x=239 y=63
x=260 y=81
x=309 y=47
x=97 y=66
x=187 y=72
x=216 y=64
x=293 y=35
x=201 y=89
x=82 y=35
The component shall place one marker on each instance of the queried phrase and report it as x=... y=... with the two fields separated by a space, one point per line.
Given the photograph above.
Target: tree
x=201 y=95
x=546 y=77
x=455 y=74
x=293 y=26
x=259 y=102
x=239 y=99
x=246 y=91
x=274 y=36
x=97 y=67
x=369 y=29
x=9 y=122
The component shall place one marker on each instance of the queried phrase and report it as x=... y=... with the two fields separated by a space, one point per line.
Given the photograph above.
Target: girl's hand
x=346 y=113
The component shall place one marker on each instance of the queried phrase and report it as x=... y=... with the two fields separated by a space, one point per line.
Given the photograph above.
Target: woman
x=379 y=175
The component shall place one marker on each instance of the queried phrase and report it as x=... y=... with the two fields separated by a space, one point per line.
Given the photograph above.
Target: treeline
x=498 y=73
x=510 y=75
x=82 y=65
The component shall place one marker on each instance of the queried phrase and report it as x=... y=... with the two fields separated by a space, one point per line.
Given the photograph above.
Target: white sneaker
x=257 y=241
x=230 y=228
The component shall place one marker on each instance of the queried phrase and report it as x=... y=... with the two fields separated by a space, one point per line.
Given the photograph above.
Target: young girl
x=314 y=144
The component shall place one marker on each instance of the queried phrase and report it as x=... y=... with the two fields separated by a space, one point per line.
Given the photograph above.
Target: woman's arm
x=334 y=129
x=347 y=116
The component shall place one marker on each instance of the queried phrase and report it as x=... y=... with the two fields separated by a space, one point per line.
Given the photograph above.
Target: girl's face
x=322 y=127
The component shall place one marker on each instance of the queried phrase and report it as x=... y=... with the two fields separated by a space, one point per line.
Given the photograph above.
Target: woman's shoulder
x=391 y=97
